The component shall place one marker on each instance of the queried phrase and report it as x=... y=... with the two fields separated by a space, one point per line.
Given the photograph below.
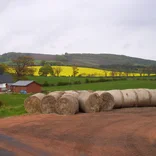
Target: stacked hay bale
x=143 y=97
x=48 y=103
x=152 y=93
x=130 y=98
x=33 y=103
x=106 y=100
x=89 y=102
x=68 y=104
x=118 y=98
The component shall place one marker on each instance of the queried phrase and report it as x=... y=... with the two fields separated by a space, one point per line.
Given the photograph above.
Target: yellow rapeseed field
x=83 y=71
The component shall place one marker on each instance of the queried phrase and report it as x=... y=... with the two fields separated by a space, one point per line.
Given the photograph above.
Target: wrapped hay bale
x=49 y=101
x=33 y=103
x=68 y=104
x=152 y=93
x=143 y=96
x=106 y=100
x=130 y=98
x=118 y=98
x=89 y=102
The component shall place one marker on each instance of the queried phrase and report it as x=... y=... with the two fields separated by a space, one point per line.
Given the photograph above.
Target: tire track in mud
x=12 y=142
x=4 y=152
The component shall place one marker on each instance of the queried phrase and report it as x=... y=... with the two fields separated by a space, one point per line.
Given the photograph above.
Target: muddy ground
x=122 y=132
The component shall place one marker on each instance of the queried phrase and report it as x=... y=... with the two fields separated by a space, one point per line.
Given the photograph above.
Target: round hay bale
x=67 y=105
x=49 y=101
x=73 y=93
x=130 y=98
x=107 y=100
x=118 y=98
x=89 y=102
x=59 y=92
x=82 y=91
x=152 y=93
x=144 y=97
x=33 y=103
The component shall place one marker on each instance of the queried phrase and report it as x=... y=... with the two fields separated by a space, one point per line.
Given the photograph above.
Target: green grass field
x=55 y=80
x=123 y=84
x=14 y=103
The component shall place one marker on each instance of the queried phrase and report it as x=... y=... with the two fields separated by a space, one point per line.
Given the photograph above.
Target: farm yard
x=102 y=130
x=77 y=78
x=117 y=132
x=13 y=103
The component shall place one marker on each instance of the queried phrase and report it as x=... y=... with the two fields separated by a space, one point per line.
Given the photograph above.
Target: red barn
x=28 y=86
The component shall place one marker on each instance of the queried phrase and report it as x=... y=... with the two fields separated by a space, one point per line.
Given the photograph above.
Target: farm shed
x=28 y=86
x=4 y=80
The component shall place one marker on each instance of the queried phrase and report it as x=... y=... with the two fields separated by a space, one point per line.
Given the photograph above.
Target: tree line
x=21 y=66
x=119 y=70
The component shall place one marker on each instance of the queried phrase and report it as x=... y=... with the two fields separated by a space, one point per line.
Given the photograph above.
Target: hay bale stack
x=130 y=98
x=118 y=98
x=49 y=101
x=81 y=91
x=152 y=93
x=143 y=97
x=89 y=102
x=33 y=103
x=68 y=104
x=73 y=93
x=106 y=100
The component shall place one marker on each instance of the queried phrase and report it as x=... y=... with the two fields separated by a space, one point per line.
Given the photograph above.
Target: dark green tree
x=42 y=63
x=1 y=70
x=21 y=65
x=45 y=70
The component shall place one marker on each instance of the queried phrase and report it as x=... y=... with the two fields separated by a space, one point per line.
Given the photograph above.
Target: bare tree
x=21 y=65
x=75 y=70
x=57 y=70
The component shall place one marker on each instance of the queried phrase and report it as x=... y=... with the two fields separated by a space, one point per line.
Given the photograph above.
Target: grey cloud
x=56 y=26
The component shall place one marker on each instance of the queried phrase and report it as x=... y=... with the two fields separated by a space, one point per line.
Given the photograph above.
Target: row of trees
x=120 y=70
x=22 y=63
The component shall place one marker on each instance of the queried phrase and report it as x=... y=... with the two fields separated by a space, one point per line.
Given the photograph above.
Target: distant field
x=55 y=80
x=83 y=71
x=123 y=84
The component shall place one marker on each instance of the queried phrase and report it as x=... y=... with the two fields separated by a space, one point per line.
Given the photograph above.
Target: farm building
x=28 y=86
x=4 y=80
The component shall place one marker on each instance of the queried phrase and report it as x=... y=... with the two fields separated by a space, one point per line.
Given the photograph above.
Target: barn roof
x=6 y=78
x=22 y=83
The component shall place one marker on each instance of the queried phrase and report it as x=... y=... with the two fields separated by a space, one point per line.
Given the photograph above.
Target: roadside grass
x=13 y=104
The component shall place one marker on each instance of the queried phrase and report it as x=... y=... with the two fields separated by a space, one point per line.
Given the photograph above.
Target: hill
x=89 y=60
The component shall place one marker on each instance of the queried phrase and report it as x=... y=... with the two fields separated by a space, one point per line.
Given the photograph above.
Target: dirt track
x=123 y=132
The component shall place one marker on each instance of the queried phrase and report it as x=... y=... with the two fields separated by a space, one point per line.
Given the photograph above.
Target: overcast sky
x=126 y=27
